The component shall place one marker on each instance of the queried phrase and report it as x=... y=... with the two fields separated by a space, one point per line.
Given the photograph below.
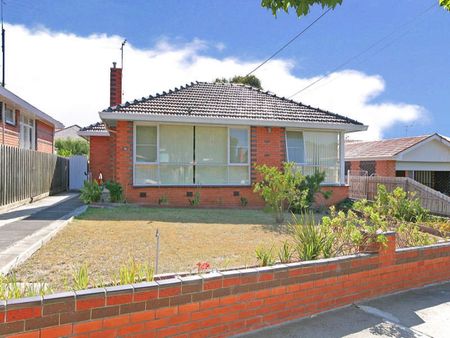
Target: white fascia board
x=231 y=121
x=24 y=105
x=433 y=137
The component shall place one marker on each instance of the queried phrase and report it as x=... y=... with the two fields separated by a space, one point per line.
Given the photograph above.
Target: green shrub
x=285 y=253
x=194 y=202
x=265 y=256
x=312 y=241
x=278 y=188
x=163 y=200
x=91 y=192
x=243 y=202
x=69 y=147
x=399 y=204
x=115 y=191
x=312 y=185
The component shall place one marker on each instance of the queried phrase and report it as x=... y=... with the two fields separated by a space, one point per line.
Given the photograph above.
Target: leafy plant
x=243 y=202
x=265 y=256
x=311 y=185
x=195 y=201
x=250 y=80
x=115 y=191
x=10 y=288
x=69 y=147
x=91 y=192
x=163 y=200
x=312 y=240
x=133 y=272
x=278 y=188
x=286 y=252
x=80 y=279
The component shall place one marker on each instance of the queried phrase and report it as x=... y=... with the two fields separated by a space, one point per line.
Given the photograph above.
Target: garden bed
x=106 y=238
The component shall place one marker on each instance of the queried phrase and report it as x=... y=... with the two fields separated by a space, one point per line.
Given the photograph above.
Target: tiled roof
x=227 y=101
x=98 y=127
x=383 y=148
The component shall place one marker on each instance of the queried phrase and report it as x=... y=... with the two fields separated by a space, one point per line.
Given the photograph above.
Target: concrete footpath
x=421 y=312
x=25 y=229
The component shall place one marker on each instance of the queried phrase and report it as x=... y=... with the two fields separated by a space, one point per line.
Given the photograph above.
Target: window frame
x=8 y=121
x=30 y=130
x=304 y=164
x=194 y=163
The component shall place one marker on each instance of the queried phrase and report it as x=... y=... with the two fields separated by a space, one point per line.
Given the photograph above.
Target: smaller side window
x=10 y=116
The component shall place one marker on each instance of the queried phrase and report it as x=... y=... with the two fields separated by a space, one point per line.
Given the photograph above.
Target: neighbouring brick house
x=425 y=159
x=207 y=137
x=23 y=125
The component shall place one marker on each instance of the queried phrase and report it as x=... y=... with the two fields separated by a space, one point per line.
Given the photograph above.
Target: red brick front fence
x=226 y=303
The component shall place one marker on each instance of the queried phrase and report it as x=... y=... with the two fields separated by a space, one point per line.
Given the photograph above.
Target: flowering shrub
x=202 y=266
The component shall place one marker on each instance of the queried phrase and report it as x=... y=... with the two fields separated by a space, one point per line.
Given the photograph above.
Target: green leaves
x=70 y=147
x=301 y=7
x=91 y=192
x=279 y=189
x=250 y=80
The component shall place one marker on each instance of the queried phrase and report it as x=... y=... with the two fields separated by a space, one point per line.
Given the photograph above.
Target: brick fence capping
x=227 y=302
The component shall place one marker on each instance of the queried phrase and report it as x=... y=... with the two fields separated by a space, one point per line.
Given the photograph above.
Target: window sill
x=190 y=186
x=11 y=123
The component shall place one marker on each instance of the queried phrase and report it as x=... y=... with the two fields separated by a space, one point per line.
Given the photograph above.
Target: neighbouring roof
x=96 y=129
x=228 y=103
x=383 y=148
x=29 y=108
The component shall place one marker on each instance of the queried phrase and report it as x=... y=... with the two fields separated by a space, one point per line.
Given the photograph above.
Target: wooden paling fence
x=25 y=174
x=367 y=187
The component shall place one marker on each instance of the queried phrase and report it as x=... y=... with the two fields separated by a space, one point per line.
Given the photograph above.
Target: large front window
x=191 y=155
x=315 y=151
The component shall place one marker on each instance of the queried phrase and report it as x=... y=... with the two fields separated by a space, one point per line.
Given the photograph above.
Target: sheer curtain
x=176 y=154
x=322 y=153
x=211 y=155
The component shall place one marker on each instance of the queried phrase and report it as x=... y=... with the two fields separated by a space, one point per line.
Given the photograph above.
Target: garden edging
x=228 y=302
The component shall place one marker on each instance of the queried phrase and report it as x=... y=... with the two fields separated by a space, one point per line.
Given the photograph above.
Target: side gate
x=77 y=171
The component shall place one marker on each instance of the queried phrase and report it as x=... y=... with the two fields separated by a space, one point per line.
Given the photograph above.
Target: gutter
x=230 y=121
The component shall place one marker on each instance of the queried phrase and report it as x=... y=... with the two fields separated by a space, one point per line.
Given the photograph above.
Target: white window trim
x=341 y=161
x=158 y=164
x=33 y=128
x=7 y=121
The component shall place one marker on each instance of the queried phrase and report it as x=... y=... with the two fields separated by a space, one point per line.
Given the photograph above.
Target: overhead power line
x=373 y=45
x=289 y=42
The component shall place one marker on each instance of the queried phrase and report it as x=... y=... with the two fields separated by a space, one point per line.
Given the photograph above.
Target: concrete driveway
x=418 y=313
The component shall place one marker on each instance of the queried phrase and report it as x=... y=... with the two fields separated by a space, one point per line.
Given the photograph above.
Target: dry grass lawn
x=107 y=238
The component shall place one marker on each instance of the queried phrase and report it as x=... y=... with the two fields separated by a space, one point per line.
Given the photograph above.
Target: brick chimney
x=115 y=95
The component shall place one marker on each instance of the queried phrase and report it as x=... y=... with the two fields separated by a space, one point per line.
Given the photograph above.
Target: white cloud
x=67 y=76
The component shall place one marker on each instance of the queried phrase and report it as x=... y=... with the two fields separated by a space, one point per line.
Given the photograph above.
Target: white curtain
x=146 y=144
x=322 y=153
x=295 y=146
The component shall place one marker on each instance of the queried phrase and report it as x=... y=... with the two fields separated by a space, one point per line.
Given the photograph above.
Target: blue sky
x=413 y=66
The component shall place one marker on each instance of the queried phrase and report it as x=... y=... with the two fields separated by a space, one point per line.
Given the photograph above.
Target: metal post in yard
x=157 y=251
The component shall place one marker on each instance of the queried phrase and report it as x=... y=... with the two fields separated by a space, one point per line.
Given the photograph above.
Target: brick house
x=425 y=159
x=23 y=125
x=207 y=137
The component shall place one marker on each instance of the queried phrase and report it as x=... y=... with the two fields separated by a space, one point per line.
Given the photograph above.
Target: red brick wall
x=354 y=165
x=338 y=194
x=44 y=137
x=267 y=147
x=385 y=168
x=100 y=157
x=226 y=303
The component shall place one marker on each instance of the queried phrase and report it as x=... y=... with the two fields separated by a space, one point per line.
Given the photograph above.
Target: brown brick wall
x=229 y=302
